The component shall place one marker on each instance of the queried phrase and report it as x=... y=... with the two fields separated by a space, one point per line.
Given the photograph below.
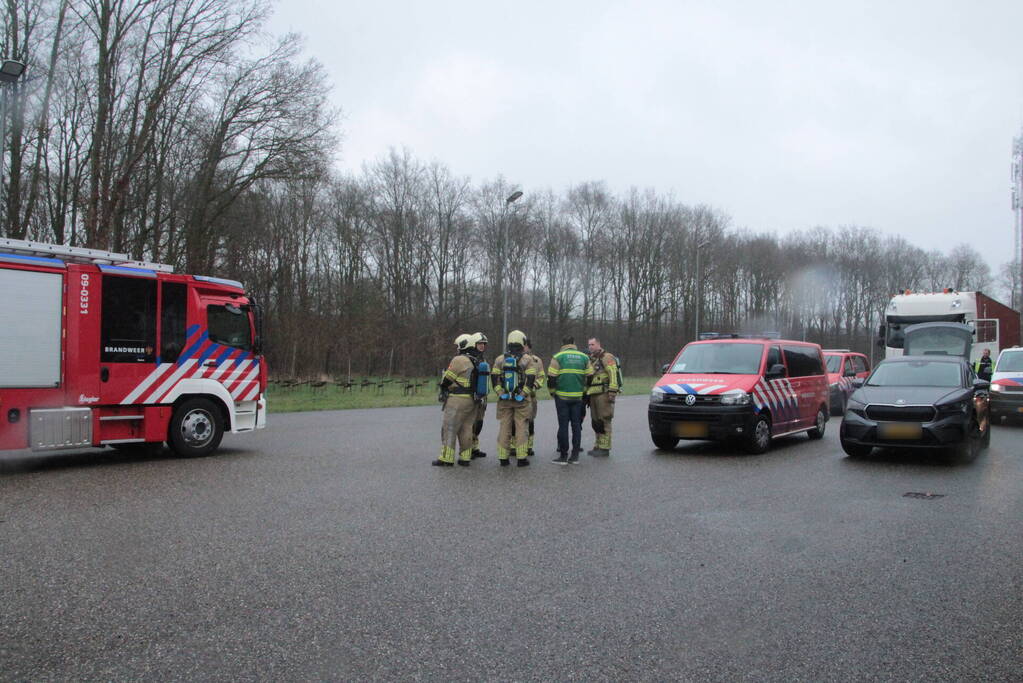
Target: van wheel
x=196 y=428
x=759 y=439
x=664 y=442
x=819 y=424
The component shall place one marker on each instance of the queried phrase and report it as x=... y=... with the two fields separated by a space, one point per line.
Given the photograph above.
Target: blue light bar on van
x=123 y=270
x=220 y=281
x=39 y=260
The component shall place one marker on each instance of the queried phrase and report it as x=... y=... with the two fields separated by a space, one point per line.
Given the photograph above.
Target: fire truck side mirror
x=257 y=341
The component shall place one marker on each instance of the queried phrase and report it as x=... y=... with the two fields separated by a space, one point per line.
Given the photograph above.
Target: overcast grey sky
x=785 y=115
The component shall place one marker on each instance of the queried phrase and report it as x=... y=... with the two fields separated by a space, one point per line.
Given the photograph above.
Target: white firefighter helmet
x=517 y=337
x=479 y=338
x=463 y=341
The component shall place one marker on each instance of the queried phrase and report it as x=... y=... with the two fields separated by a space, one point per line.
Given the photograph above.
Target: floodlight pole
x=699 y=290
x=504 y=250
x=10 y=71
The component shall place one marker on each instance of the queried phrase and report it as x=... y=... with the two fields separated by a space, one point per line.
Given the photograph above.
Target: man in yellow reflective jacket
x=514 y=380
x=541 y=382
x=479 y=341
x=602 y=392
x=459 y=407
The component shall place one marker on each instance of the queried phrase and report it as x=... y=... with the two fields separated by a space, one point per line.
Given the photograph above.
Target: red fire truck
x=99 y=350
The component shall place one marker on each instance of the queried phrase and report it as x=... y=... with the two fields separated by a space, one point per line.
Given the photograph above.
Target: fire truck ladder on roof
x=78 y=255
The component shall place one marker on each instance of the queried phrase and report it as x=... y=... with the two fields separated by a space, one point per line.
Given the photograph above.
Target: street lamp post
x=504 y=243
x=699 y=289
x=10 y=72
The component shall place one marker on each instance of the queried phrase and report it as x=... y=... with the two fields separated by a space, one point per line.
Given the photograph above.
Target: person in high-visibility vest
x=459 y=407
x=568 y=376
x=479 y=342
x=601 y=394
x=984 y=367
x=541 y=382
x=514 y=380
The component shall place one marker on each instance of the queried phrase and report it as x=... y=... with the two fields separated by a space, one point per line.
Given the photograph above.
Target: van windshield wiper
x=709 y=372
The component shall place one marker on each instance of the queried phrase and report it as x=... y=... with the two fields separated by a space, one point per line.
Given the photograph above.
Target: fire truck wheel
x=759 y=438
x=196 y=428
x=819 y=423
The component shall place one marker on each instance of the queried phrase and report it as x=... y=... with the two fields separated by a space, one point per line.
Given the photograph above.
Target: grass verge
x=391 y=394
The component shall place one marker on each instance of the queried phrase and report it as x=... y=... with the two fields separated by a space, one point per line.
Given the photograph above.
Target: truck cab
x=99 y=350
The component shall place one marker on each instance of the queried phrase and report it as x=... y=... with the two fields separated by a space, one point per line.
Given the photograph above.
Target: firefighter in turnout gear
x=601 y=395
x=479 y=342
x=541 y=382
x=514 y=380
x=456 y=391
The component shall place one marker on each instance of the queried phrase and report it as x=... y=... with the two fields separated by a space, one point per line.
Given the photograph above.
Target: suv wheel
x=664 y=442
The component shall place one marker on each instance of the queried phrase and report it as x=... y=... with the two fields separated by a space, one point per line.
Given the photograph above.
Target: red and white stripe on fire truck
x=235 y=369
x=779 y=396
x=845 y=385
x=702 y=388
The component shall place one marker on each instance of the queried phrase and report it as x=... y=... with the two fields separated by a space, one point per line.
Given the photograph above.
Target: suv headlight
x=656 y=396
x=737 y=399
x=957 y=407
x=854 y=406
x=997 y=387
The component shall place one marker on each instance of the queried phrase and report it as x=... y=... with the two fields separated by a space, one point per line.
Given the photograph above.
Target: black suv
x=932 y=399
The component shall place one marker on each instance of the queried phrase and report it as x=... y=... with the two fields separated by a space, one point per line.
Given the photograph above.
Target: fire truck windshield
x=229 y=325
x=727 y=358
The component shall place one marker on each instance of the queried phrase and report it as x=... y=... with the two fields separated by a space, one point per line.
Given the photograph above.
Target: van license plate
x=900 y=431
x=691 y=430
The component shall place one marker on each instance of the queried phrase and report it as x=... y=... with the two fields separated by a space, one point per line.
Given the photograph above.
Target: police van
x=1007 y=384
x=742 y=389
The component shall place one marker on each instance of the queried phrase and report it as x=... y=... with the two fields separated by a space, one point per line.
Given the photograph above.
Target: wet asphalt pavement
x=326 y=547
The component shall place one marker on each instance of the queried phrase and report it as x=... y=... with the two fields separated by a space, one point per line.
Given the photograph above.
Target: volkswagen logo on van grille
x=690 y=399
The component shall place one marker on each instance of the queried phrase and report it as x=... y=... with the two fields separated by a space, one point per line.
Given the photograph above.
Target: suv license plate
x=900 y=431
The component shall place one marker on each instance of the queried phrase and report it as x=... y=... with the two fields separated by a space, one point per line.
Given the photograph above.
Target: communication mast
x=1017 y=216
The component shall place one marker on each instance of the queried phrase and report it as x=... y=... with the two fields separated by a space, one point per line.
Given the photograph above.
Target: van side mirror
x=882 y=330
x=664 y=368
x=858 y=382
x=981 y=384
x=777 y=370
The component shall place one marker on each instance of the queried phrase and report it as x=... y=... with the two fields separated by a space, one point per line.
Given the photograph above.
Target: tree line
x=177 y=131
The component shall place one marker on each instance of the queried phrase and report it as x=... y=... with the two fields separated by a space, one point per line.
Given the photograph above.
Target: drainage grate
x=925 y=496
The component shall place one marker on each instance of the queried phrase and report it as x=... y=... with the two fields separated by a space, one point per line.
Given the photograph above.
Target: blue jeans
x=570 y=411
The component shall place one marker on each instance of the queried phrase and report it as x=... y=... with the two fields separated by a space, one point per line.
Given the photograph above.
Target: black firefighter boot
x=599 y=452
x=477 y=453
